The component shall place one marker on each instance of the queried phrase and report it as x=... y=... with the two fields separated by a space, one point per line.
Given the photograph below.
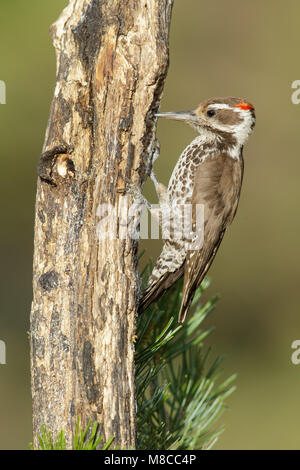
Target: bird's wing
x=217 y=186
x=158 y=287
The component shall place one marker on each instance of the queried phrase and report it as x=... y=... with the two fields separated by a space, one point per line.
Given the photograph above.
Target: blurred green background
x=217 y=48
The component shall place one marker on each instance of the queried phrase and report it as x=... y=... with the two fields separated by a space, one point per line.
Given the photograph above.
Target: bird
x=209 y=174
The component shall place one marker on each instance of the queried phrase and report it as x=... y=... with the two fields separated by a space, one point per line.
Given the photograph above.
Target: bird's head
x=231 y=118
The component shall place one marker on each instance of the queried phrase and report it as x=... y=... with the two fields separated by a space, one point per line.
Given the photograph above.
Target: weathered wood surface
x=112 y=59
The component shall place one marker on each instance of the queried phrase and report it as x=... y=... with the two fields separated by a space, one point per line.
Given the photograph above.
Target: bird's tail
x=185 y=305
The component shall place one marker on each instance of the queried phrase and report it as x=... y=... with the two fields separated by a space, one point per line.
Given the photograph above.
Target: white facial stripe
x=219 y=106
x=243 y=130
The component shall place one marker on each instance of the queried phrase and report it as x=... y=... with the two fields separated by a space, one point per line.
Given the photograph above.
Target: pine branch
x=84 y=439
x=179 y=397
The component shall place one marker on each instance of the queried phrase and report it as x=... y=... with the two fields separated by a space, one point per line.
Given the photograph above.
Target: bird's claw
x=129 y=188
x=134 y=191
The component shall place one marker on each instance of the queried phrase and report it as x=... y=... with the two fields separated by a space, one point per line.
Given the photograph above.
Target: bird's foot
x=134 y=191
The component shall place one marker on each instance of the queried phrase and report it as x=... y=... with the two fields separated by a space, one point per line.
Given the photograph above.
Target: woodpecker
x=209 y=172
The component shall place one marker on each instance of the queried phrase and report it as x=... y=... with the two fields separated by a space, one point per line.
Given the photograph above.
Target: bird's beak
x=179 y=116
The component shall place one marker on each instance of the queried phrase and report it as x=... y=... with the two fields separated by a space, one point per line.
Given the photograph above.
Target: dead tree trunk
x=112 y=60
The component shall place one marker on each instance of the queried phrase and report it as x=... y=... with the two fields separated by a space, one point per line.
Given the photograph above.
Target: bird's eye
x=210 y=112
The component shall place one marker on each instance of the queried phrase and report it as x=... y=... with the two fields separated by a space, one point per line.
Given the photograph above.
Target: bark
x=112 y=59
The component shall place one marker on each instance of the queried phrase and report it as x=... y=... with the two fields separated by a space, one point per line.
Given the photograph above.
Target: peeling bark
x=112 y=59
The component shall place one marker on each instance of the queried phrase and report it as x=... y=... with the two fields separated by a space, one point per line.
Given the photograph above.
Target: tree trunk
x=112 y=59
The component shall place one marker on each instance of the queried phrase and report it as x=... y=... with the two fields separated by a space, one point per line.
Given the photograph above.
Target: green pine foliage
x=84 y=439
x=179 y=394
